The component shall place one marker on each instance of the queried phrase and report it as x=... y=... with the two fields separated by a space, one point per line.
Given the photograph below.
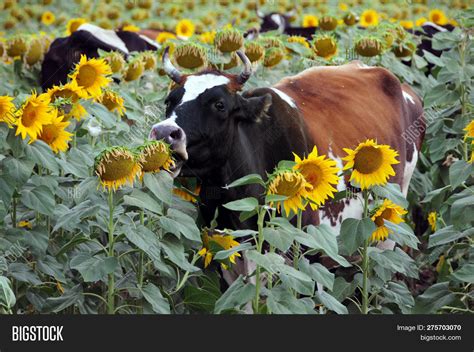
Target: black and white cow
x=219 y=134
x=279 y=22
x=65 y=52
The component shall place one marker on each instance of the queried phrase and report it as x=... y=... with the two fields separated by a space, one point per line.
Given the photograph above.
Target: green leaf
x=18 y=169
x=143 y=238
x=7 y=297
x=433 y=59
x=330 y=302
x=37 y=241
x=402 y=234
x=393 y=192
x=204 y=296
x=224 y=254
x=245 y=204
x=354 y=233
x=161 y=185
x=93 y=268
x=448 y=234
x=247 y=180
x=40 y=199
x=435 y=297
x=459 y=172
x=72 y=218
x=465 y=273
x=174 y=251
x=323 y=238
x=153 y=296
x=278 y=238
x=42 y=154
x=236 y=296
x=396 y=261
x=462 y=209
x=24 y=273
x=177 y=222
x=398 y=293
x=76 y=162
x=67 y=299
x=317 y=272
x=282 y=301
x=143 y=200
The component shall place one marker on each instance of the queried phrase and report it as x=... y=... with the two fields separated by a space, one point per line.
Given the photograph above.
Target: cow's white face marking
x=279 y=21
x=196 y=85
x=341 y=186
x=285 y=97
x=106 y=36
x=408 y=97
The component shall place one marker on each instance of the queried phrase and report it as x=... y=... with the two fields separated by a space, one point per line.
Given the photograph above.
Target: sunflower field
x=93 y=222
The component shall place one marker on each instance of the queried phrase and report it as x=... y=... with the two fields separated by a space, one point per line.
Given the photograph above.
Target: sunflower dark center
x=87 y=76
x=368 y=159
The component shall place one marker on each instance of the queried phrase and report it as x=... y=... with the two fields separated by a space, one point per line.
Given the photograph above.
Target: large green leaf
x=143 y=200
x=397 y=261
x=179 y=223
x=465 y=273
x=278 y=238
x=143 y=238
x=448 y=234
x=245 y=204
x=39 y=198
x=247 y=180
x=68 y=298
x=459 y=172
x=18 y=169
x=42 y=155
x=434 y=298
x=7 y=297
x=161 y=185
x=330 y=302
x=391 y=191
x=93 y=268
x=282 y=301
x=402 y=234
x=153 y=295
x=354 y=232
x=236 y=296
x=203 y=297
x=398 y=293
x=317 y=272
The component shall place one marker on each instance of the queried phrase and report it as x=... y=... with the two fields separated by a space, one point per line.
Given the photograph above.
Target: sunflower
x=7 y=109
x=73 y=25
x=207 y=37
x=32 y=115
x=112 y=101
x=187 y=195
x=343 y=6
x=432 y=217
x=156 y=156
x=437 y=16
x=469 y=130
x=321 y=173
x=310 y=21
x=91 y=76
x=406 y=24
x=55 y=135
x=184 y=28
x=387 y=211
x=69 y=94
x=228 y=40
x=371 y=163
x=131 y=28
x=134 y=70
x=115 y=166
x=298 y=39
x=25 y=224
x=291 y=184
x=325 y=46
x=369 y=18
x=421 y=21
x=215 y=242
x=164 y=36
x=48 y=18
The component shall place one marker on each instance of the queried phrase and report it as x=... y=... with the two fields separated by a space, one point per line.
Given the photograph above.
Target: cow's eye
x=219 y=106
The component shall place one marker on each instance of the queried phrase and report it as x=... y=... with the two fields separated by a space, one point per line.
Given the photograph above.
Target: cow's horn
x=169 y=68
x=247 y=71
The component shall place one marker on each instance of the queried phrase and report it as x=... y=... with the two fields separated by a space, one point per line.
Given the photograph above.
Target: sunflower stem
x=14 y=211
x=111 y=285
x=296 y=246
x=365 y=261
x=261 y=217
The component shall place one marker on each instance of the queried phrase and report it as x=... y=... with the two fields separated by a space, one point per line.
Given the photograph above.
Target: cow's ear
x=255 y=109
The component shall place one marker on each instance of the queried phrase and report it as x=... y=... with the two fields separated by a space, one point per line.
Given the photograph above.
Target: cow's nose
x=170 y=134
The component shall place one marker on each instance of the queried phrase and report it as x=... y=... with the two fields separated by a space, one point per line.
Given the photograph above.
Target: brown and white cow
x=220 y=134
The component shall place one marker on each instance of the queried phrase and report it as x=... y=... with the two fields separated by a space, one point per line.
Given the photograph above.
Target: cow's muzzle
x=176 y=138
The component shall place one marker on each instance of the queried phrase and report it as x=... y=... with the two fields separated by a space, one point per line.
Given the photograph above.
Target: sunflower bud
x=254 y=51
x=273 y=57
x=404 y=49
x=350 y=19
x=328 y=23
x=325 y=46
x=134 y=70
x=190 y=55
x=368 y=47
x=149 y=60
x=229 y=40
x=34 y=52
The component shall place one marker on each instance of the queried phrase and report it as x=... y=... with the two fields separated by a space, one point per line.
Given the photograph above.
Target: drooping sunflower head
x=292 y=185
x=438 y=17
x=387 y=211
x=432 y=218
x=254 y=51
x=116 y=61
x=48 y=18
x=185 y=28
x=371 y=163
x=310 y=21
x=325 y=46
x=369 y=46
x=369 y=18
x=91 y=75
x=112 y=101
x=215 y=241
x=273 y=57
x=34 y=52
x=54 y=133
x=7 y=110
x=190 y=55
x=228 y=40
x=115 y=166
x=16 y=47
x=350 y=19
x=321 y=172
x=149 y=59
x=134 y=70
x=73 y=24
x=156 y=156
x=32 y=115
x=328 y=23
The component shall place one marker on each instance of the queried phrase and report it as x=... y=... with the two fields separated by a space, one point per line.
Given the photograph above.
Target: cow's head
x=203 y=112
x=274 y=21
